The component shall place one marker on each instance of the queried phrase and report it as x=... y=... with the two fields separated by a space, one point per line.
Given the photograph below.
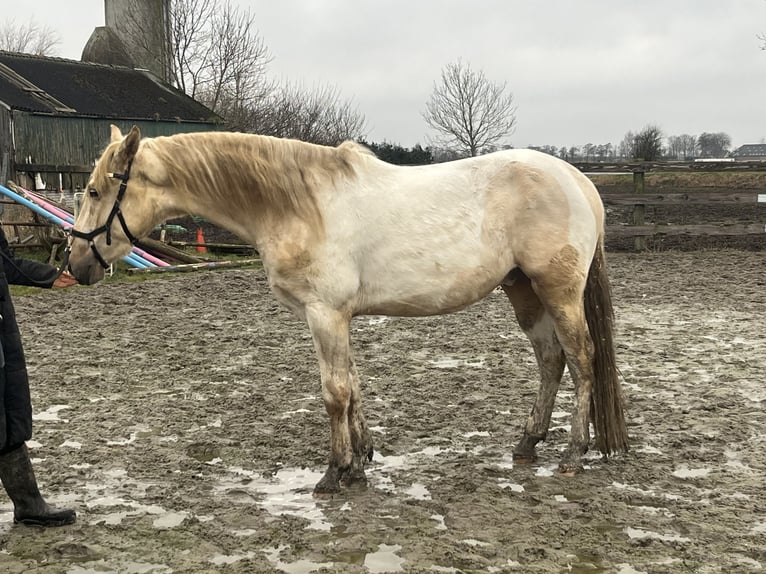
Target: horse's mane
x=250 y=172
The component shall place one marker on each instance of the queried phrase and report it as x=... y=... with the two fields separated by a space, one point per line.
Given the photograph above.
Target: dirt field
x=182 y=418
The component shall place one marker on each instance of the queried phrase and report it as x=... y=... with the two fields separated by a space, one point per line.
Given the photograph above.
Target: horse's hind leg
x=539 y=328
x=561 y=288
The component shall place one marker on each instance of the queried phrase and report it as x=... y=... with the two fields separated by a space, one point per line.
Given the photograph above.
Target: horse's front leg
x=341 y=395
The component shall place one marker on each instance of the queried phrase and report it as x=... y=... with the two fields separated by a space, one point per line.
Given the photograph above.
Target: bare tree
x=219 y=59
x=190 y=36
x=234 y=74
x=215 y=53
x=689 y=146
x=647 y=144
x=316 y=115
x=468 y=110
x=29 y=38
x=682 y=147
x=625 y=149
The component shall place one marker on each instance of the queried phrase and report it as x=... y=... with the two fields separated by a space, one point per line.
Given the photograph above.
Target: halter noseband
x=107 y=227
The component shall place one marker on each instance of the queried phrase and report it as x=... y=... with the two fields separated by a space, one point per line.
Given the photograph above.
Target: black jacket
x=15 y=402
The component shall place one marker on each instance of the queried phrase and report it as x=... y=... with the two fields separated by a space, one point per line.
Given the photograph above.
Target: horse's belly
x=420 y=295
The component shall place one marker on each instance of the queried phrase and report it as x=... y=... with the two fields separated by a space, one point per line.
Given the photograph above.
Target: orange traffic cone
x=201 y=241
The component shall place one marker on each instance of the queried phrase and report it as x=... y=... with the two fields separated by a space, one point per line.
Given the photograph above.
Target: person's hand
x=64 y=280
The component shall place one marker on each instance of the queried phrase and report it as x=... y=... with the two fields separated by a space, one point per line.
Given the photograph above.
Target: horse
x=342 y=233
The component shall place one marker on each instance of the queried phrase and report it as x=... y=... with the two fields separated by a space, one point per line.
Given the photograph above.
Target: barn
x=55 y=115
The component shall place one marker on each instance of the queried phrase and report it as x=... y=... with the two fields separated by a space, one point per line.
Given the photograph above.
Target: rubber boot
x=18 y=478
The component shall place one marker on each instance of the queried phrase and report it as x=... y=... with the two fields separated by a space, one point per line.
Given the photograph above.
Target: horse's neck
x=244 y=183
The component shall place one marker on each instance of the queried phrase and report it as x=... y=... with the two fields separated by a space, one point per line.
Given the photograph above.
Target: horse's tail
x=606 y=406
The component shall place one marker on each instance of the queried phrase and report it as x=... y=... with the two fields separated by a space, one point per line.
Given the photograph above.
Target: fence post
x=639 y=210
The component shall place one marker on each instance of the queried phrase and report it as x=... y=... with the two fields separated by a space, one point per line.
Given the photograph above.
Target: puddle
x=288 y=492
x=170 y=519
x=475 y=543
x=71 y=444
x=418 y=492
x=512 y=486
x=108 y=507
x=229 y=559
x=506 y=462
x=509 y=565
x=378 y=471
x=384 y=560
x=164 y=519
x=439 y=521
x=544 y=471
x=452 y=363
x=126 y=568
x=641 y=534
x=686 y=472
x=137 y=431
x=472 y=434
x=51 y=414
x=297 y=567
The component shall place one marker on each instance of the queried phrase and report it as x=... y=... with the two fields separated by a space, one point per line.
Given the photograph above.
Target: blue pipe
x=132 y=259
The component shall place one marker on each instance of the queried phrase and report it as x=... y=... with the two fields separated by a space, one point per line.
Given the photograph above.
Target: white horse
x=342 y=233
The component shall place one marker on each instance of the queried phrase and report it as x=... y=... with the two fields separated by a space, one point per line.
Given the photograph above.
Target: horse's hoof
x=329 y=485
x=325 y=491
x=353 y=477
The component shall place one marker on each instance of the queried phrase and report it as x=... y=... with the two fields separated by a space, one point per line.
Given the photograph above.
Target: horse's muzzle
x=86 y=268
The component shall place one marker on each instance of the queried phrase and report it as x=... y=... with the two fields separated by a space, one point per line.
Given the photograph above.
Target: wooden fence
x=641 y=198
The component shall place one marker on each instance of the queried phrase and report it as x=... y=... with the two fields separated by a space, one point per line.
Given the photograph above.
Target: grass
x=120 y=275
x=696 y=180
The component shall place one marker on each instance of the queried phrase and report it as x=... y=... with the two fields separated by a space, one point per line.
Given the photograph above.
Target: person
x=16 y=474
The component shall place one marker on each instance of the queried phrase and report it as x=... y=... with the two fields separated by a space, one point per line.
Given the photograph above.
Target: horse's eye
x=93 y=193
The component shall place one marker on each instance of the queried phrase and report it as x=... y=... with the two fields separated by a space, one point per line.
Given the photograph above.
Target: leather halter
x=107 y=227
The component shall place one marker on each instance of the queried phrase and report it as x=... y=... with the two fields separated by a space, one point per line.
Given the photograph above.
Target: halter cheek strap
x=107 y=227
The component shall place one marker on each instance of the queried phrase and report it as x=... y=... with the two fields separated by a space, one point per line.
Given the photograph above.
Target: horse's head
x=113 y=215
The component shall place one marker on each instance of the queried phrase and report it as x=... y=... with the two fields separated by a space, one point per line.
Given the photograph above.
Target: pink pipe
x=65 y=215
x=149 y=257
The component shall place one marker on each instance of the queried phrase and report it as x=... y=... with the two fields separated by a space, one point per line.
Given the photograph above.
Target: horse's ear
x=131 y=141
x=116 y=133
x=129 y=146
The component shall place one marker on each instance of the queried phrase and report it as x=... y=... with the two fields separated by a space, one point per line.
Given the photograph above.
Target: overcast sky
x=584 y=71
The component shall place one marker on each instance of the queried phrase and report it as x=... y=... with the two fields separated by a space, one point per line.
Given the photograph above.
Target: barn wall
x=78 y=142
x=6 y=143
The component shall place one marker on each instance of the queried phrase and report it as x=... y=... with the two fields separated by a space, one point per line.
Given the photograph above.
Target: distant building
x=750 y=152
x=135 y=35
x=55 y=114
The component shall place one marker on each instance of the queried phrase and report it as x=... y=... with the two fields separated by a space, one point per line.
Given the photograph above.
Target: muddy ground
x=181 y=418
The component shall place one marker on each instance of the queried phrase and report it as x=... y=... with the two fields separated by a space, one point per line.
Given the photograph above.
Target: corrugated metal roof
x=93 y=90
